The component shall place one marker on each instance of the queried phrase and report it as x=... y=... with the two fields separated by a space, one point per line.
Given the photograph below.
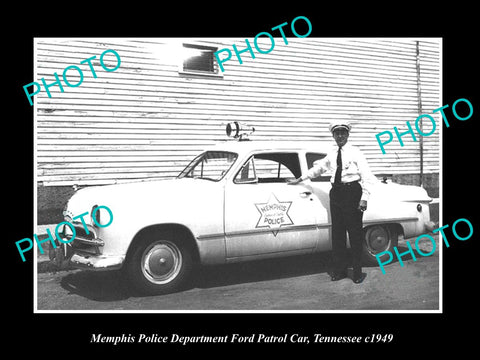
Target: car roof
x=247 y=146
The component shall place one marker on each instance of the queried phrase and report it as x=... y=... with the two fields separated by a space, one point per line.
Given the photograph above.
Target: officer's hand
x=294 y=182
x=362 y=205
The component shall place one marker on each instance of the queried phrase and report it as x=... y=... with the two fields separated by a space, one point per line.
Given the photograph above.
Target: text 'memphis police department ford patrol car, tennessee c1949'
x=230 y=204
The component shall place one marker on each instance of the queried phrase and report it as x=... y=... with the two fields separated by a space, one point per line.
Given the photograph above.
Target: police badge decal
x=274 y=214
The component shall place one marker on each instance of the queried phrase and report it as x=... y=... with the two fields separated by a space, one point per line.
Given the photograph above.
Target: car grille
x=83 y=242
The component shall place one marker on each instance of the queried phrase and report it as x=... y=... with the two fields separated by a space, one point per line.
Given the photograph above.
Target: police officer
x=351 y=185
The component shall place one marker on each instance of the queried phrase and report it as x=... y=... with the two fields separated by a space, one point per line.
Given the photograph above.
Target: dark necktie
x=338 y=172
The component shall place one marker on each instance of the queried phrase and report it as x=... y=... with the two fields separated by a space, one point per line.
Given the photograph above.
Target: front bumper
x=97 y=262
x=84 y=249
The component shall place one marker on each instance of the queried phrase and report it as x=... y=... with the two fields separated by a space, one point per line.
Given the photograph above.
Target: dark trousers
x=345 y=215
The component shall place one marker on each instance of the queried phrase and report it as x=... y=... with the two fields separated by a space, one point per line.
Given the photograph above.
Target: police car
x=232 y=203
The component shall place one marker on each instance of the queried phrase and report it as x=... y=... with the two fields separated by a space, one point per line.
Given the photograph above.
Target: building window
x=199 y=60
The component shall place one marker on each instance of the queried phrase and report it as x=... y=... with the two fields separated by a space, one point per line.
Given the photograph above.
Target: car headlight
x=67 y=214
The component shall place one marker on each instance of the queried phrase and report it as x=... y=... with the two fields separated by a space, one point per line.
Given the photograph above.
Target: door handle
x=305 y=193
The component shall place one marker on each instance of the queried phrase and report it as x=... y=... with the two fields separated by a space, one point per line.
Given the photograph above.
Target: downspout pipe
x=419 y=109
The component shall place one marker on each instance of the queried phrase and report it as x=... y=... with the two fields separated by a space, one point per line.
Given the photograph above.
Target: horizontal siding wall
x=145 y=120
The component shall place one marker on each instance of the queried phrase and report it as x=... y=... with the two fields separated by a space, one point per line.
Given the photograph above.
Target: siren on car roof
x=239 y=131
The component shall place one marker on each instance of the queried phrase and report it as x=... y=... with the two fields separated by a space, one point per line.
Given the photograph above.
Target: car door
x=266 y=217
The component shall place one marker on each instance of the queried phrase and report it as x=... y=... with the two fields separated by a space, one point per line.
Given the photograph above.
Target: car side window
x=269 y=168
x=311 y=159
x=247 y=174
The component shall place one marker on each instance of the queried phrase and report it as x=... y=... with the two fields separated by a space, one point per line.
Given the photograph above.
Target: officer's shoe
x=358 y=278
x=335 y=276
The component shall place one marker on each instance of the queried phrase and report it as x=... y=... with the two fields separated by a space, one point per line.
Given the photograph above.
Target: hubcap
x=377 y=239
x=161 y=262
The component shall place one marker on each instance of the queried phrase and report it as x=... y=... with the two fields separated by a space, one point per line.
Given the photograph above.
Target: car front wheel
x=159 y=266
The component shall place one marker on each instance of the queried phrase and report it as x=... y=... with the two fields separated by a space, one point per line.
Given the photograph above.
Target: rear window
x=311 y=158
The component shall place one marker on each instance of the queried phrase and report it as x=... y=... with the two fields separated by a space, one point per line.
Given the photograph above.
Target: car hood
x=138 y=196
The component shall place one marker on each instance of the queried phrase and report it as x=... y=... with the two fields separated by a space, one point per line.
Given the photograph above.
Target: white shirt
x=354 y=168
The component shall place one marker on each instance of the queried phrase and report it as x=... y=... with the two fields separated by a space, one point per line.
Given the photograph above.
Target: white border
x=440 y=294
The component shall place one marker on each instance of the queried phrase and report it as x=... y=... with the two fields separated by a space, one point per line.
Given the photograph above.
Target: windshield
x=211 y=165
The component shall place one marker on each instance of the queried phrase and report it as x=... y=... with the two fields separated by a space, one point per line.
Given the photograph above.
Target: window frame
x=192 y=164
x=258 y=156
x=254 y=180
x=199 y=73
x=320 y=178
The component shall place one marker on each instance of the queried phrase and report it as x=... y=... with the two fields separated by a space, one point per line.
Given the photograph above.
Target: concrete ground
x=294 y=283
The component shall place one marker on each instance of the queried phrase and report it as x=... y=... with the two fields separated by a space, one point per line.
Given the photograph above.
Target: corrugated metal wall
x=146 y=120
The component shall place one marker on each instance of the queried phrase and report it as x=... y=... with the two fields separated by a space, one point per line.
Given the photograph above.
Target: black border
x=413 y=332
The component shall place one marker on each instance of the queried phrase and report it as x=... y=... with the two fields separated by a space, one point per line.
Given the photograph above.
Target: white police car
x=230 y=204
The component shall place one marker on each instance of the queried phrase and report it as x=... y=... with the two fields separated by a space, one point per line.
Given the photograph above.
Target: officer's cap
x=339 y=124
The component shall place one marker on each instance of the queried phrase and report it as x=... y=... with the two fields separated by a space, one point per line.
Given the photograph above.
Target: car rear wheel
x=159 y=266
x=378 y=238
